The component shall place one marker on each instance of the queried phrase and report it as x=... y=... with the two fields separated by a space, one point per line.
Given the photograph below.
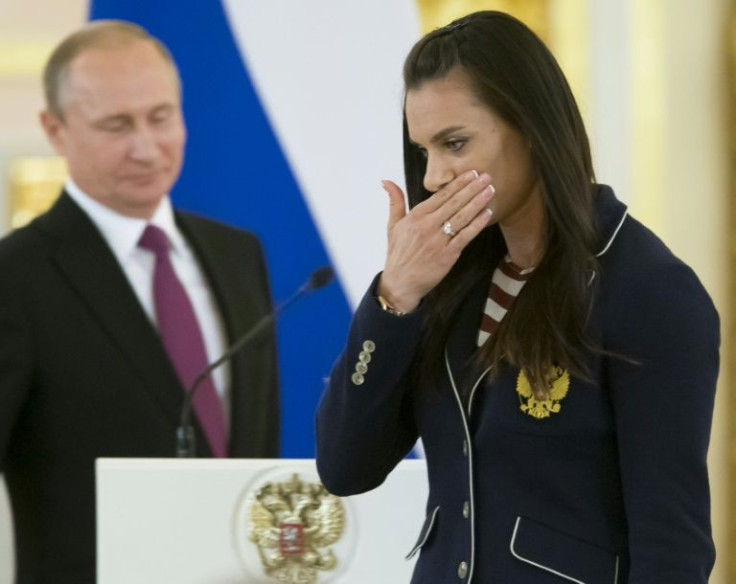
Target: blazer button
x=466 y=509
x=369 y=346
x=357 y=378
x=361 y=367
x=462 y=570
x=364 y=357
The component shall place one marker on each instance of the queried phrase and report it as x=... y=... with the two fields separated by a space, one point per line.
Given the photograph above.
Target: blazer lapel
x=84 y=258
x=224 y=275
x=235 y=282
x=462 y=343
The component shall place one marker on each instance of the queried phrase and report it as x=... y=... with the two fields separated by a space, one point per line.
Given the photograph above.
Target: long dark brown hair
x=511 y=71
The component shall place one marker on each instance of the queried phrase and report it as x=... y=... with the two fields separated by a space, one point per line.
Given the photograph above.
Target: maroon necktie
x=182 y=337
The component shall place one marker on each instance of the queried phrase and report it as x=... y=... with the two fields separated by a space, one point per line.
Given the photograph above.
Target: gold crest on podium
x=295 y=524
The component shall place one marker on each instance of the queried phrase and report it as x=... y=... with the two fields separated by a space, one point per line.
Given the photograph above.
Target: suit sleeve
x=256 y=417
x=663 y=406
x=271 y=406
x=15 y=367
x=365 y=423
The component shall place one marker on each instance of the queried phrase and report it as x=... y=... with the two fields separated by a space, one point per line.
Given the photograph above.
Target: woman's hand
x=420 y=250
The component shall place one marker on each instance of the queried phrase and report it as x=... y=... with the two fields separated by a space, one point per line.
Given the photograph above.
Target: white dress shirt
x=122 y=234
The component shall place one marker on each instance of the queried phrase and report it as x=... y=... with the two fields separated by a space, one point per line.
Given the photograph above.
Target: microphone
x=185 y=438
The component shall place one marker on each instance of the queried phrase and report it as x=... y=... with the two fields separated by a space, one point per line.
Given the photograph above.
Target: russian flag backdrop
x=293 y=111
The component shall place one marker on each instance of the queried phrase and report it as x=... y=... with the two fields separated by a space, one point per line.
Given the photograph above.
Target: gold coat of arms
x=559 y=385
x=294 y=523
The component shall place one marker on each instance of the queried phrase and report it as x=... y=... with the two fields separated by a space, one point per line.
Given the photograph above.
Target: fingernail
x=472 y=174
x=383 y=185
x=489 y=211
x=487 y=192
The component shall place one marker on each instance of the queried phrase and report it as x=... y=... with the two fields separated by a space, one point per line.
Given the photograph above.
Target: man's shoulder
x=63 y=220
x=23 y=245
x=208 y=227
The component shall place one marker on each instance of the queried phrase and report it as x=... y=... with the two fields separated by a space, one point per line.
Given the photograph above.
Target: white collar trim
x=615 y=233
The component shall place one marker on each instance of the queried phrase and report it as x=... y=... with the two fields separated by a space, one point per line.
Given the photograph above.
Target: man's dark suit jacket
x=84 y=375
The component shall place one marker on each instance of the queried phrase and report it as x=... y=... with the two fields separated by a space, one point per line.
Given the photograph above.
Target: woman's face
x=457 y=133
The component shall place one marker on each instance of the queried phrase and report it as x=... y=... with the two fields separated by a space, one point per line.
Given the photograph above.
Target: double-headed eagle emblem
x=559 y=385
x=294 y=523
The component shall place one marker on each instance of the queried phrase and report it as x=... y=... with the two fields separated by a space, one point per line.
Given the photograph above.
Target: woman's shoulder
x=627 y=246
x=638 y=269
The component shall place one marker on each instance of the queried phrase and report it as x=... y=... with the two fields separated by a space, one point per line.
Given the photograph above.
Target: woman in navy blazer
x=556 y=359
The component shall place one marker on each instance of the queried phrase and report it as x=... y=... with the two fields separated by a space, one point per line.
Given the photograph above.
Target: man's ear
x=54 y=128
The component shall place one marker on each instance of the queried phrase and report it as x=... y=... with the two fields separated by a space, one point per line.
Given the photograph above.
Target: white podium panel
x=257 y=521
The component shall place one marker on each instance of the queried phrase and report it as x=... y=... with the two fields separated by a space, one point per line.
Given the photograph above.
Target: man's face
x=122 y=131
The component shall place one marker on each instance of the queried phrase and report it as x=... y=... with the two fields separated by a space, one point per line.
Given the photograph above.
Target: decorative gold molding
x=562 y=24
x=35 y=183
x=23 y=58
x=437 y=13
x=730 y=326
x=649 y=112
x=569 y=40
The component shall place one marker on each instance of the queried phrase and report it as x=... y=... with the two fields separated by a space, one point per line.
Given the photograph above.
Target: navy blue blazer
x=604 y=484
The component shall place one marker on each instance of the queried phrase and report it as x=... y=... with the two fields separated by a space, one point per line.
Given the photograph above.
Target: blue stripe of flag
x=236 y=171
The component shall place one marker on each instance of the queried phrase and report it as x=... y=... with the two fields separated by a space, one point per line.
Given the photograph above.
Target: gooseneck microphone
x=185 y=438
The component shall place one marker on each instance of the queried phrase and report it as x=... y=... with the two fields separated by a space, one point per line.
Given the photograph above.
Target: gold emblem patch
x=294 y=523
x=558 y=387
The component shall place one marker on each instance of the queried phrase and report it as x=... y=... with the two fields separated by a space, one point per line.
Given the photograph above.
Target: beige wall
x=696 y=199
x=28 y=28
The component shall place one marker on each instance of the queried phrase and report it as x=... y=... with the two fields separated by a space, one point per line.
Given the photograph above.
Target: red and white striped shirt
x=508 y=280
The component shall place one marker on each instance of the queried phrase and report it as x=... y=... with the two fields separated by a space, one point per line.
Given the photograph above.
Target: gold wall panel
x=23 y=58
x=437 y=13
x=730 y=327
x=34 y=184
x=649 y=98
x=561 y=24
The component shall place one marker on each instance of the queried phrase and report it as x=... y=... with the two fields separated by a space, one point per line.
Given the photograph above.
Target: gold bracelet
x=387 y=307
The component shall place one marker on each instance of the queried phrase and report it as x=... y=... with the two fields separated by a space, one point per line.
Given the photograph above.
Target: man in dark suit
x=93 y=356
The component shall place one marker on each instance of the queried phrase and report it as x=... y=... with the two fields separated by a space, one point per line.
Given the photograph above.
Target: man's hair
x=99 y=34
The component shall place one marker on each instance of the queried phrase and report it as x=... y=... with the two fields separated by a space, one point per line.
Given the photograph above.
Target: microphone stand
x=186 y=443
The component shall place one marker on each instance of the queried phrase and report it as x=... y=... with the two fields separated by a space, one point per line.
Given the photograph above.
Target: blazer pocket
x=429 y=522
x=565 y=556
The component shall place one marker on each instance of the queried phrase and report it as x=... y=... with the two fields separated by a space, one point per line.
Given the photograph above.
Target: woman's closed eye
x=456 y=144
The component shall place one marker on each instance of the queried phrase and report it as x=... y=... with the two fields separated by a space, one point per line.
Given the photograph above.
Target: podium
x=251 y=521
